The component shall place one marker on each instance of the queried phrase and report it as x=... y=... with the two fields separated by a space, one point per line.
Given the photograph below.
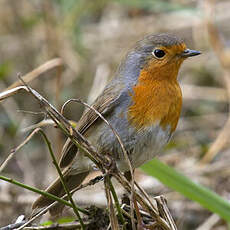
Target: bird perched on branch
x=142 y=103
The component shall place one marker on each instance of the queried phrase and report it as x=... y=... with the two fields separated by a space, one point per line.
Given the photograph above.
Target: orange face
x=157 y=96
x=168 y=65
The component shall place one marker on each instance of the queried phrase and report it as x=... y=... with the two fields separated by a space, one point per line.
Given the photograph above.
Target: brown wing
x=103 y=104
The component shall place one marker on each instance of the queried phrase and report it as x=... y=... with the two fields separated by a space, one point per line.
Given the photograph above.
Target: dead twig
x=72 y=225
x=34 y=217
x=164 y=211
x=13 y=151
x=69 y=195
x=112 y=216
x=122 y=147
x=209 y=222
x=19 y=222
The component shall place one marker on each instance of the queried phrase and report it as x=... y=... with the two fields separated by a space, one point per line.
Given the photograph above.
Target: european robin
x=142 y=103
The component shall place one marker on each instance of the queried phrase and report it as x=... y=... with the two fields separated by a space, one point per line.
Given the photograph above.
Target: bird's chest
x=148 y=143
x=145 y=121
x=153 y=117
x=155 y=102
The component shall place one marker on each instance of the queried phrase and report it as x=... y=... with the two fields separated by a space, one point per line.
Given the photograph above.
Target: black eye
x=159 y=53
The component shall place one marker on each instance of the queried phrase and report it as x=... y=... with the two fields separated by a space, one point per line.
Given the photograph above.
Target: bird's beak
x=189 y=53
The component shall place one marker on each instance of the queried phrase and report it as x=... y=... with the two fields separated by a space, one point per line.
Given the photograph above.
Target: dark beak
x=189 y=53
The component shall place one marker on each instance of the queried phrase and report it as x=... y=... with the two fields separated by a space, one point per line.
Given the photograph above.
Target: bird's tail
x=56 y=188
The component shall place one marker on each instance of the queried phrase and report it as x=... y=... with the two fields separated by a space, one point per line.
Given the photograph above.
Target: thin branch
x=19 y=222
x=13 y=151
x=145 y=195
x=110 y=126
x=75 y=208
x=121 y=144
x=73 y=225
x=40 y=213
x=33 y=189
x=122 y=180
x=9 y=93
x=43 y=123
x=67 y=128
x=117 y=203
x=164 y=211
x=112 y=216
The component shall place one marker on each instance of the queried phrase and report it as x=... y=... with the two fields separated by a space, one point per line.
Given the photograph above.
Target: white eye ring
x=158 y=53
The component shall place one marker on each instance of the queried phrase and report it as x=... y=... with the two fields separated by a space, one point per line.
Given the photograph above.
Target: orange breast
x=155 y=101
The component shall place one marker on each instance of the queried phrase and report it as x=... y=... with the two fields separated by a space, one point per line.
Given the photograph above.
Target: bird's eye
x=158 y=53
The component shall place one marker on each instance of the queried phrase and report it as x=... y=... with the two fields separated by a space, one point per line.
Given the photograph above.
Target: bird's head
x=156 y=95
x=161 y=55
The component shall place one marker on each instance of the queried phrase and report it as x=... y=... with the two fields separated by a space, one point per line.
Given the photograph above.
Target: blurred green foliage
x=5 y=69
x=182 y=184
x=154 y=5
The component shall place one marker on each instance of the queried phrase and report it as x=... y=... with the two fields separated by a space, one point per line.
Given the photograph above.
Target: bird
x=142 y=103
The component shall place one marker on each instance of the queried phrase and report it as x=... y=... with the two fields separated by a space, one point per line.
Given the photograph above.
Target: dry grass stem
x=41 y=124
x=42 y=212
x=13 y=151
x=11 y=92
x=112 y=216
x=122 y=147
x=164 y=211
x=209 y=222
x=71 y=225
x=51 y=64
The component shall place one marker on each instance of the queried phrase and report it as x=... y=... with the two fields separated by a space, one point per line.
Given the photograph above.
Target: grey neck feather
x=130 y=68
